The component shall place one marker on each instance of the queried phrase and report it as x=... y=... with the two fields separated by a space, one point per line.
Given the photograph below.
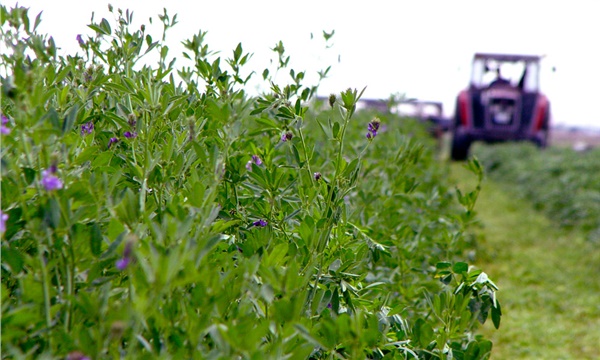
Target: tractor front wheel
x=460 y=147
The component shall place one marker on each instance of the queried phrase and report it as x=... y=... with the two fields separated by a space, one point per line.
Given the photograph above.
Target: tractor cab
x=503 y=102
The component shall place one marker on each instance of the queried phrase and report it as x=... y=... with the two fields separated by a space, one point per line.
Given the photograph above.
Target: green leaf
x=423 y=332
x=496 y=315
x=222 y=225
x=336 y=130
x=38 y=20
x=334 y=267
x=237 y=53
x=258 y=110
x=443 y=265
x=118 y=88
x=52 y=117
x=485 y=349
x=292 y=214
x=351 y=168
x=52 y=213
x=97 y=29
x=30 y=174
x=447 y=279
x=70 y=119
x=307 y=336
x=472 y=352
x=323 y=117
x=13 y=258
x=268 y=123
x=95 y=239
x=87 y=154
x=128 y=210
x=277 y=255
x=460 y=267
x=335 y=301
x=105 y=26
x=110 y=251
x=20 y=316
x=102 y=159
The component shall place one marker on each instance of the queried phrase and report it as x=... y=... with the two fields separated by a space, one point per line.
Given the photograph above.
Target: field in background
x=563 y=136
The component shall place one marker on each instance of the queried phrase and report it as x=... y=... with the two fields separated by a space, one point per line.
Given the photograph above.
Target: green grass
x=548 y=278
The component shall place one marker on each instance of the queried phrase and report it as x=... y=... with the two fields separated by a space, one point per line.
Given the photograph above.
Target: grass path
x=549 y=278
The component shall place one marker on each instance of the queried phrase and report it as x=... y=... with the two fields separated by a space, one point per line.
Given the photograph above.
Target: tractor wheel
x=542 y=142
x=460 y=147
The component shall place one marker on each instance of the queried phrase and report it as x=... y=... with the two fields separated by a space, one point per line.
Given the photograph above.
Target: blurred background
x=421 y=49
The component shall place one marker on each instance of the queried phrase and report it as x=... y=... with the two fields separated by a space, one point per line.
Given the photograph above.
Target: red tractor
x=502 y=103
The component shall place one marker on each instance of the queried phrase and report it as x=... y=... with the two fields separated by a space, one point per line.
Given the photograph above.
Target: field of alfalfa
x=148 y=217
x=160 y=211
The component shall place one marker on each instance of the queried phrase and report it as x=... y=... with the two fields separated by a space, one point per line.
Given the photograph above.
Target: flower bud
x=332 y=100
x=117 y=328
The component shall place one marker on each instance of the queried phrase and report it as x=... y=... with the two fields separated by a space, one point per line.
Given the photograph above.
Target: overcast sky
x=420 y=48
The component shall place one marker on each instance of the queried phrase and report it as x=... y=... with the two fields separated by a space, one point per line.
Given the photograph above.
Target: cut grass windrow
x=548 y=277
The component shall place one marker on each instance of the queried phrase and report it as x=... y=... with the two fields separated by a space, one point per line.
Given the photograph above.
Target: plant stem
x=46 y=292
x=347 y=117
x=305 y=151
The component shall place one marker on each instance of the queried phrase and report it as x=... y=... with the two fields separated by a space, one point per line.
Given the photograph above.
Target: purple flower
x=131 y=120
x=3 y=218
x=49 y=181
x=122 y=263
x=129 y=134
x=372 y=128
x=286 y=136
x=255 y=159
x=317 y=176
x=113 y=140
x=5 y=130
x=80 y=40
x=87 y=128
x=260 y=223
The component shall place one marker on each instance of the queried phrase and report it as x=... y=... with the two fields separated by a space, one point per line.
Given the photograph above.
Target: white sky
x=420 y=48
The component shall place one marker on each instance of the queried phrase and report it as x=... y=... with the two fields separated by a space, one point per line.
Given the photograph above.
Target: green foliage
x=561 y=182
x=150 y=218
